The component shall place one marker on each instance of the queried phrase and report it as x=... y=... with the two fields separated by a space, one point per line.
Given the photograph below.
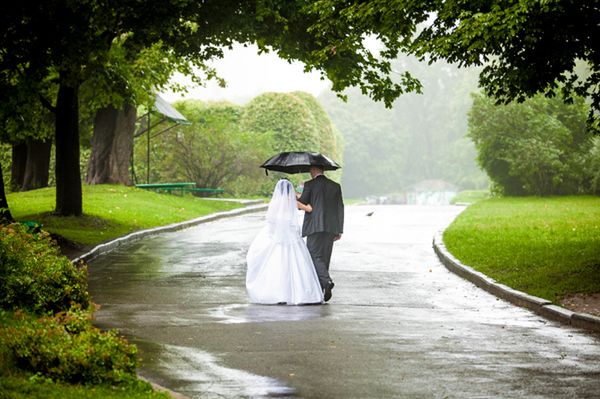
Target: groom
x=324 y=225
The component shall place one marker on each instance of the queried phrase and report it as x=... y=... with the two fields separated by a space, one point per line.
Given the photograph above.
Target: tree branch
x=47 y=104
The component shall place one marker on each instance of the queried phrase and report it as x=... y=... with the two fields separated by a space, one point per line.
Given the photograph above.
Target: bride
x=280 y=269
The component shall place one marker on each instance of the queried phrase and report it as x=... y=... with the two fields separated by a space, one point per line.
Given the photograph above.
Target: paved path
x=399 y=324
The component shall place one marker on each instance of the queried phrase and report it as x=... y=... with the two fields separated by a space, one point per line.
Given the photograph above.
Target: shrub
x=66 y=347
x=288 y=117
x=538 y=147
x=34 y=276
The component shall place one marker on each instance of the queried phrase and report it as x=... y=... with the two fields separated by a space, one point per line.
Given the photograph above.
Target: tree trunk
x=17 y=168
x=5 y=216
x=68 y=176
x=38 y=164
x=112 y=146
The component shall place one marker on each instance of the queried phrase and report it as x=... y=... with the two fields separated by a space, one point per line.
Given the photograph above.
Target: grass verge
x=26 y=386
x=111 y=211
x=547 y=247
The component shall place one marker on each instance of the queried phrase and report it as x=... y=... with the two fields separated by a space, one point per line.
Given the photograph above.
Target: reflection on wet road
x=399 y=324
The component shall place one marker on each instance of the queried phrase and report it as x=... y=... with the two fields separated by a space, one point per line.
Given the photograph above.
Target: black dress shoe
x=327 y=291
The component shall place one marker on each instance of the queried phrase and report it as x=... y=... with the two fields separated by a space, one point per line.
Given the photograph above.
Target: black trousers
x=320 y=246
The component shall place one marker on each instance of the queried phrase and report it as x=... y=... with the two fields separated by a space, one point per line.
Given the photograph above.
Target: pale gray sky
x=248 y=75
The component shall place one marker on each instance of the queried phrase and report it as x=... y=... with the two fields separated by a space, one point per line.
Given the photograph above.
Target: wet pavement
x=399 y=324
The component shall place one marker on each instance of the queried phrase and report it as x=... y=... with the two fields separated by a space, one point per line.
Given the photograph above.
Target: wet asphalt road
x=399 y=324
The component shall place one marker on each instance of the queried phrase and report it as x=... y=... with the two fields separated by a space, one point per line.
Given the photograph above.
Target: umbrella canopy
x=298 y=162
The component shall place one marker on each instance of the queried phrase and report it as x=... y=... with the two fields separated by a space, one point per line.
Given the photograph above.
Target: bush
x=34 y=276
x=538 y=147
x=288 y=117
x=66 y=347
x=63 y=345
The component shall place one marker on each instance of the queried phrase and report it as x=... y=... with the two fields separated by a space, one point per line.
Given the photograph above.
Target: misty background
x=419 y=142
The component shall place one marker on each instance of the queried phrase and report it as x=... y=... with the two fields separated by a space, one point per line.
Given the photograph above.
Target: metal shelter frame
x=167 y=114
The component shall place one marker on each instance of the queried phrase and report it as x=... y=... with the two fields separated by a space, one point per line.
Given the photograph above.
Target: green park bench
x=179 y=187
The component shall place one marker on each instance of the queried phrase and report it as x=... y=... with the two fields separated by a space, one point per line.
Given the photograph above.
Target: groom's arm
x=306 y=194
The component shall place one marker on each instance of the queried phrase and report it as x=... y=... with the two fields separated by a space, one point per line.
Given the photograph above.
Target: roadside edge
x=538 y=305
x=136 y=235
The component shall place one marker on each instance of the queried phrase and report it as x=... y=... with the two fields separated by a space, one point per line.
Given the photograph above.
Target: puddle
x=252 y=313
x=198 y=374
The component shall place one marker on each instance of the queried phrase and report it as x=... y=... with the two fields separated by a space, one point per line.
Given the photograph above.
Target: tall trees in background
x=421 y=137
x=27 y=126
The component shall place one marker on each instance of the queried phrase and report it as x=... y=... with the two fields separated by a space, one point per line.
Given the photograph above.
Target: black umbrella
x=298 y=162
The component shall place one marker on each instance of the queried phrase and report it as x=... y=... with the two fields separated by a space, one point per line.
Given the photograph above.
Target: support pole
x=148 y=153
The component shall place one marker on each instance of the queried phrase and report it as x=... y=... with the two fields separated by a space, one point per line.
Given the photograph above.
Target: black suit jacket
x=325 y=197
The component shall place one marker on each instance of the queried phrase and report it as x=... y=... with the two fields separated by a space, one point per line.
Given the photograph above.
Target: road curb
x=540 y=306
x=136 y=235
x=160 y=388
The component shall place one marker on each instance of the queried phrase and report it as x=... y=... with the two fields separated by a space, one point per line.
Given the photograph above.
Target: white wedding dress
x=280 y=269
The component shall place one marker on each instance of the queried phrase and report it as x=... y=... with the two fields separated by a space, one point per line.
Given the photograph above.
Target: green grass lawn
x=547 y=247
x=17 y=385
x=111 y=211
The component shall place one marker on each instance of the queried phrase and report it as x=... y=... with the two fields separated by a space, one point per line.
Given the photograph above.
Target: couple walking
x=282 y=268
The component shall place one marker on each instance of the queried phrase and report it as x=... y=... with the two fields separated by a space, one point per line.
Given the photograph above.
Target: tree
x=27 y=126
x=594 y=166
x=525 y=47
x=73 y=39
x=112 y=146
x=5 y=215
x=114 y=94
x=539 y=147
x=37 y=166
x=18 y=165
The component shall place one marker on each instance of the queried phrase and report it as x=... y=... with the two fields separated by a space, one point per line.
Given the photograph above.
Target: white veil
x=282 y=215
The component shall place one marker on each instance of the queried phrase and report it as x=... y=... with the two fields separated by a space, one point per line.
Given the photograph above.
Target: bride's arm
x=305 y=208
